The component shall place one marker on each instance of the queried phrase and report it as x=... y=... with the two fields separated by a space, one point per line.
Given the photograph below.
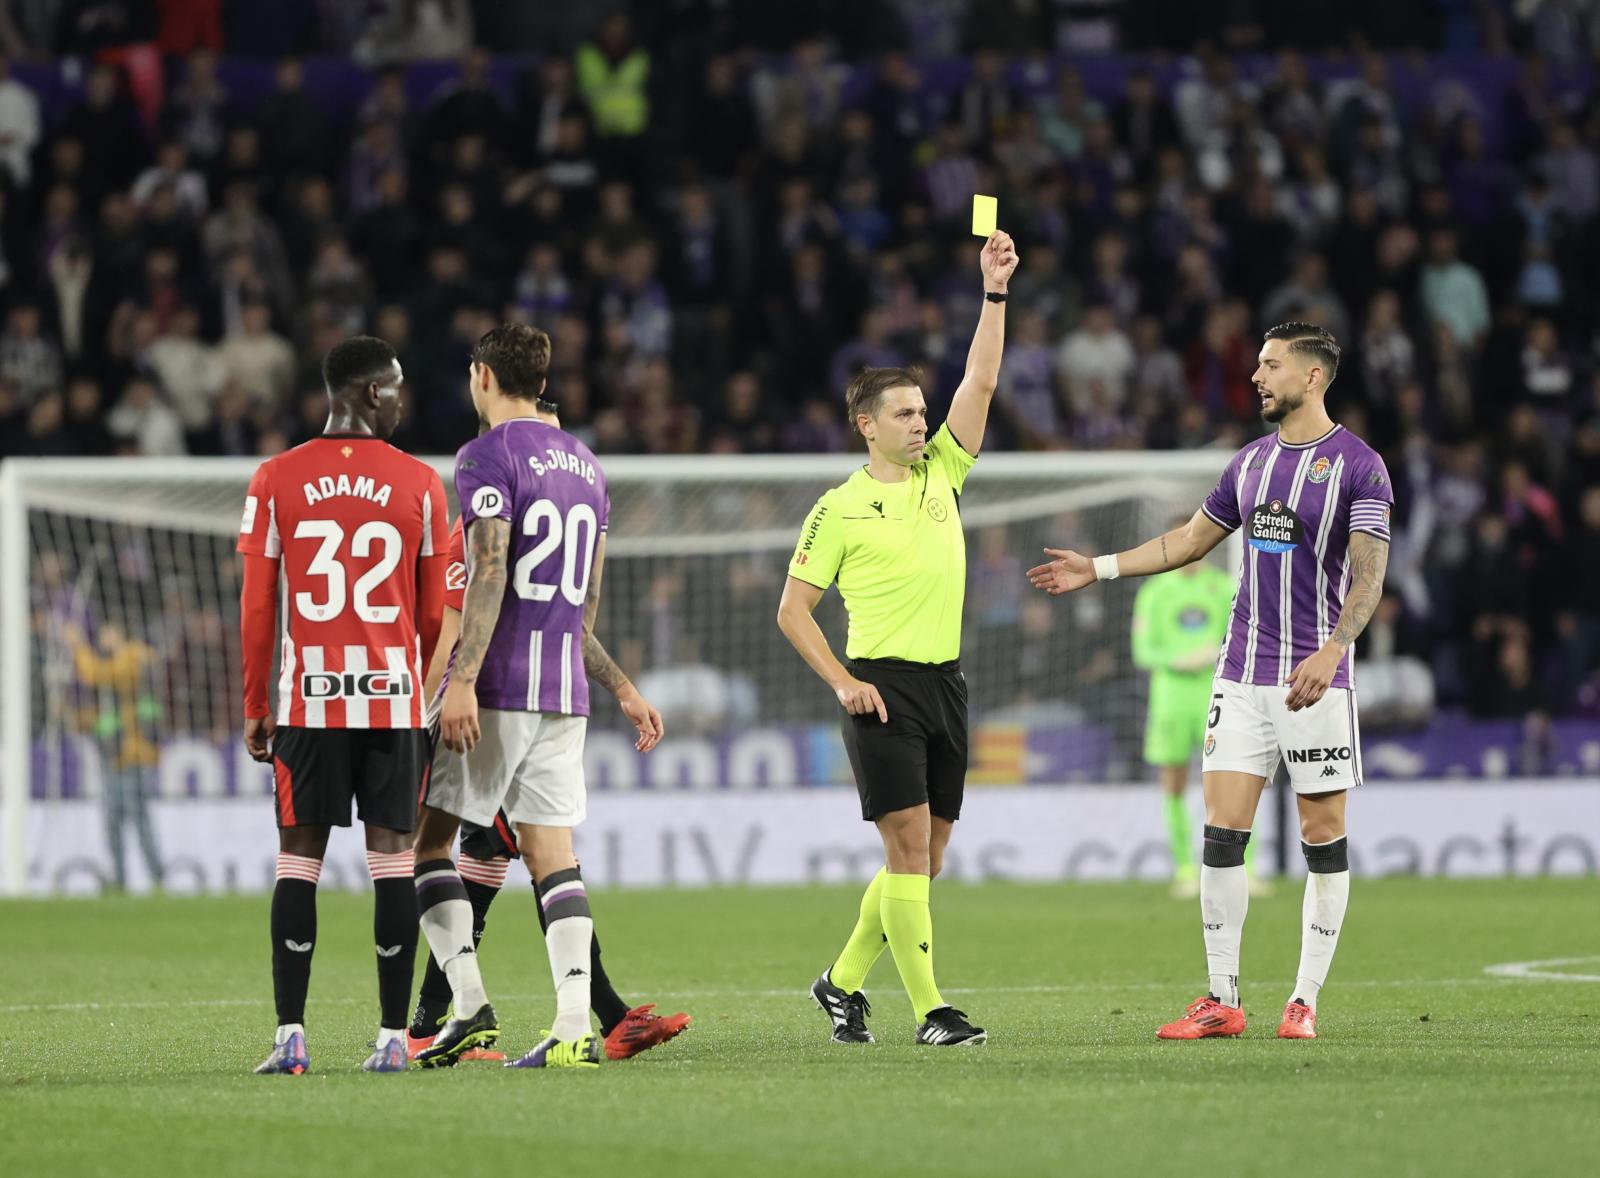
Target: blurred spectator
x=1027 y=391
x=416 y=29
x=107 y=127
x=125 y=719
x=142 y=423
x=197 y=109
x=612 y=72
x=258 y=360
x=29 y=360
x=294 y=129
x=239 y=227
x=189 y=369
x=19 y=126
x=1454 y=293
x=1095 y=361
x=86 y=419
x=1396 y=682
x=1307 y=298
x=171 y=169
x=1572 y=171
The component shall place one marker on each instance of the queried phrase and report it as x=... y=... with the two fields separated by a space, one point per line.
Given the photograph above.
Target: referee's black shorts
x=920 y=755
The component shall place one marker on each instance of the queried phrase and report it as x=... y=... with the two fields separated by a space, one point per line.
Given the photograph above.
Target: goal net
x=119 y=647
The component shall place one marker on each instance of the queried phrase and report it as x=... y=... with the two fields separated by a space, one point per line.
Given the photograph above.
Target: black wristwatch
x=994 y=296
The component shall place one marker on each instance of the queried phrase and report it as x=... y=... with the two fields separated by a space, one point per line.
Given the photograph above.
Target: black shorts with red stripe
x=318 y=771
x=496 y=841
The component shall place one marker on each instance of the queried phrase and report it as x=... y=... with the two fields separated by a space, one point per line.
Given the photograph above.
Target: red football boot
x=1205 y=1018
x=417 y=1044
x=640 y=1031
x=1299 y=1021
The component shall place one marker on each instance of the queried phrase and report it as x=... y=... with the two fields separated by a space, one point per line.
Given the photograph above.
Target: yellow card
x=985 y=212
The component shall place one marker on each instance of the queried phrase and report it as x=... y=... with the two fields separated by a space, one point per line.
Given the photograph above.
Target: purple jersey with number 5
x=1298 y=506
x=553 y=492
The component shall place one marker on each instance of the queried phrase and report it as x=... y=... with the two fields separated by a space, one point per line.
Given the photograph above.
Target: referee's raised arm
x=969 y=409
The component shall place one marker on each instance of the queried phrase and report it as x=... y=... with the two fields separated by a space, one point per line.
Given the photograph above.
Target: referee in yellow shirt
x=891 y=537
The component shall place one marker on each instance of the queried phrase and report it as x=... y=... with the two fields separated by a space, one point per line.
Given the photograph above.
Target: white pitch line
x=265 y=1000
x=1538 y=971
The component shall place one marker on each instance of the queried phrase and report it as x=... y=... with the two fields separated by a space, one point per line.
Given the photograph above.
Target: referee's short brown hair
x=866 y=389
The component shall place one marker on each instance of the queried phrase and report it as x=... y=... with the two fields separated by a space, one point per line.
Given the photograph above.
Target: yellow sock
x=866 y=943
x=909 y=926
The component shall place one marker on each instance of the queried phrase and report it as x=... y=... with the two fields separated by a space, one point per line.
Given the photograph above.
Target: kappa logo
x=576 y=973
x=1320 y=470
x=938 y=511
x=1329 y=771
x=486 y=501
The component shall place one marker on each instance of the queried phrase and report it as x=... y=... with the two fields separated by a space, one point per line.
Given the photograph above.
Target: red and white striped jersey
x=358 y=528
x=455 y=571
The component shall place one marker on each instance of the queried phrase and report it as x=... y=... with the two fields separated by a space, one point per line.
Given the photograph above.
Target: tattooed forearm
x=491 y=542
x=1164 y=559
x=600 y=666
x=1369 y=560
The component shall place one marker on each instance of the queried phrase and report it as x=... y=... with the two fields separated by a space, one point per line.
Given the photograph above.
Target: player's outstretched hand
x=998 y=259
x=643 y=717
x=862 y=699
x=258 y=732
x=1309 y=681
x=458 y=717
x=1068 y=571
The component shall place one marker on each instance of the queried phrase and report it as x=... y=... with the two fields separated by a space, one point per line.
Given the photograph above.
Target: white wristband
x=1105 y=568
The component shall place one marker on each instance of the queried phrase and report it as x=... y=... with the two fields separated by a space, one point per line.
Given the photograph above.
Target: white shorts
x=529 y=764
x=1249 y=729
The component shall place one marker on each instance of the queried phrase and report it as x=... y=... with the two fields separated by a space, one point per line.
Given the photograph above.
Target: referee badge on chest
x=938 y=510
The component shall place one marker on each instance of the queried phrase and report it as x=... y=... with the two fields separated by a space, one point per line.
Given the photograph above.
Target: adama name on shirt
x=362 y=487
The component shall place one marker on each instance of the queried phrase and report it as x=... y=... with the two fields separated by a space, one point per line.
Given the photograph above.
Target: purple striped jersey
x=553 y=492
x=1298 y=506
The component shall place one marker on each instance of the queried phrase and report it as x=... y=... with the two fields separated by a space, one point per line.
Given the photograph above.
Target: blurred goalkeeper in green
x=1179 y=622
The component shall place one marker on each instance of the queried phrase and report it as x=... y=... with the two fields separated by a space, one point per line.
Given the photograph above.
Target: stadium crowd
x=717 y=234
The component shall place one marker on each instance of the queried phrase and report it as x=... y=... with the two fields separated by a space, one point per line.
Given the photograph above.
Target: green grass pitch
x=128 y=1029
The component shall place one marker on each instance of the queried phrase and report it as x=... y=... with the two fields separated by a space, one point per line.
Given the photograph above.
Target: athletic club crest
x=1320 y=470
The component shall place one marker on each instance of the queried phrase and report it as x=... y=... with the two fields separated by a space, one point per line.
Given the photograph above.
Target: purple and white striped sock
x=568 y=929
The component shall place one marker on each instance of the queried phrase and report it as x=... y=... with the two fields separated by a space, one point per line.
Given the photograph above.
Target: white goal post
x=100 y=555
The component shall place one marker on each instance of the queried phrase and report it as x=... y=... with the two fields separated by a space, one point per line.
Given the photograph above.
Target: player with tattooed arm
x=1314 y=502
